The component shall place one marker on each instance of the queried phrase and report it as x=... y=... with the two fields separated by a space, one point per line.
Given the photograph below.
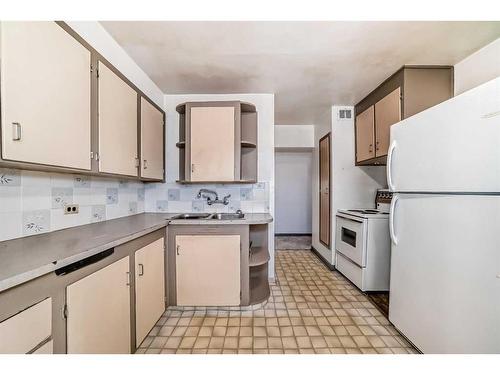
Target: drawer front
x=350 y=239
x=24 y=331
x=350 y=270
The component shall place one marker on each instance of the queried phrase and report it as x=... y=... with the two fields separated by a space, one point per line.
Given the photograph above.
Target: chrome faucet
x=205 y=193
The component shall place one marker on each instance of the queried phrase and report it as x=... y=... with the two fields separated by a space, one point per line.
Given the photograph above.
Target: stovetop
x=366 y=213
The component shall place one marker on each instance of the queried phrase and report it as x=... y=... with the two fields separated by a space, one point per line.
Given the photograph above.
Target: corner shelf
x=258 y=264
x=248 y=144
x=258 y=256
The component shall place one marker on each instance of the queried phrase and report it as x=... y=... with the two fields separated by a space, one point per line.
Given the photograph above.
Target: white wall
x=294 y=136
x=182 y=197
x=103 y=42
x=352 y=187
x=478 y=68
x=293 y=173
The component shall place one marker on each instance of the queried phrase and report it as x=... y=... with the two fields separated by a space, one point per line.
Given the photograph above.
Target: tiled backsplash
x=32 y=202
x=172 y=197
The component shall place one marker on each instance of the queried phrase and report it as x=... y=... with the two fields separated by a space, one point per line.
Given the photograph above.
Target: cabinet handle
x=192 y=168
x=141 y=269
x=137 y=162
x=370 y=148
x=145 y=164
x=177 y=249
x=128 y=278
x=16 y=131
x=376 y=147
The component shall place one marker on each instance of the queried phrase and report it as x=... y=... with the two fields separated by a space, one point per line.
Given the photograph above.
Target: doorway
x=293 y=187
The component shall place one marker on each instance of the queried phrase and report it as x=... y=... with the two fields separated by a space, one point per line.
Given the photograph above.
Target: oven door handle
x=360 y=221
x=392 y=213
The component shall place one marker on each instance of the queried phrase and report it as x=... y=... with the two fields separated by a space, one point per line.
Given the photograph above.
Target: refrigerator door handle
x=389 y=166
x=392 y=213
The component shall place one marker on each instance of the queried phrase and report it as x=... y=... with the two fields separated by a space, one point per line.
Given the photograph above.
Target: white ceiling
x=308 y=65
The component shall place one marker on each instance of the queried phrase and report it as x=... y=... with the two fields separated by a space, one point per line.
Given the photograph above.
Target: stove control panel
x=383 y=196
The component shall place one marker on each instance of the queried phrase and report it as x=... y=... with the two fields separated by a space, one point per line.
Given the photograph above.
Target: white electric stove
x=362 y=244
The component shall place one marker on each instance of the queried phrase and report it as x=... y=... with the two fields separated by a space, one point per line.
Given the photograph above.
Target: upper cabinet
x=410 y=90
x=152 y=141
x=117 y=124
x=65 y=108
x=45 y=93
x=217 y=142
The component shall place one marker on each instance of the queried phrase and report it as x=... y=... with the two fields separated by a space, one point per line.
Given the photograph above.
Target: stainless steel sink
x=228 y=216
x=191 y=216
x=214 y=216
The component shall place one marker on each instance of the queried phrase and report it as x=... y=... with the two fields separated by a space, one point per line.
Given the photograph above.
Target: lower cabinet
x=25 y=332
x=149 y=287
x=208 y=270
x=98 y=308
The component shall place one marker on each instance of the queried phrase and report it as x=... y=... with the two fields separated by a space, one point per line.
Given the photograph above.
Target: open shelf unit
x=258 y=263
x=247 y=150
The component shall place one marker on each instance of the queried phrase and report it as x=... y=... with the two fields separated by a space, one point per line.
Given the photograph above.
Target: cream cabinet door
x=208 y=270
x=149 y=287
x=212 y=143
x=152 y=151
x=23 y=332
x=45 y=90
x=387 y=113
x=99 y=311
x=117 y=124
x=365 y=135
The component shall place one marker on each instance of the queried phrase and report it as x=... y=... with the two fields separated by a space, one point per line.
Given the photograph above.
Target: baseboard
x=328 y=265
x=292 y=234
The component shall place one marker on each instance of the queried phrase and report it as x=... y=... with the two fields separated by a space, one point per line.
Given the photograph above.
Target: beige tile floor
x=311 y=310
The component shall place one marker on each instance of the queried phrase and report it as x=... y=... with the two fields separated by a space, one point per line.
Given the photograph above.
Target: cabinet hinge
x=94 y=69
x=65 y=312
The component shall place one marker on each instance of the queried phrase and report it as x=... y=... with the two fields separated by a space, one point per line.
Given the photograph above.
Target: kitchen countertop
x=24 y=259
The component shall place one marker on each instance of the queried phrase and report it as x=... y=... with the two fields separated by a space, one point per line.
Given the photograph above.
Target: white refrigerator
x=444 y=168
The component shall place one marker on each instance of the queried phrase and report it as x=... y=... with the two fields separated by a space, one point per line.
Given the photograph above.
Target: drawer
x=350 y=270
x=24 y=331
x=350 y=239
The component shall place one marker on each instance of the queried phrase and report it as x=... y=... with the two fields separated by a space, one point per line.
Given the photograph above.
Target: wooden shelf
x=181 y=144
x=248 y=144
x=258 y=256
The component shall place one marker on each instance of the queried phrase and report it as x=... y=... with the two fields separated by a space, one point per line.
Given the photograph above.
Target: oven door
x=350 y=239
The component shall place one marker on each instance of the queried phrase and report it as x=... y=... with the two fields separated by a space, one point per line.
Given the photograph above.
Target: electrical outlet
x=71 y=209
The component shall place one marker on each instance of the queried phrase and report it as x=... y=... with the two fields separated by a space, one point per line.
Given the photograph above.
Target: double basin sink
x=205 y=216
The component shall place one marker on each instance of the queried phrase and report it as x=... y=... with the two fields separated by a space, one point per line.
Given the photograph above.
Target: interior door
x=212 y=132
x=149 y=287
x=45 y=90
x=208 y=270
x=365 y=134
x=99 y=311
x=117 y=124
x=324 y=191
x=445 y=269
x=387 y=113
x=152 y=149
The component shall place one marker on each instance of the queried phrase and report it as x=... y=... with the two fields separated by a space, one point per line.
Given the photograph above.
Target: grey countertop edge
x=51 y=267
x=44 y=269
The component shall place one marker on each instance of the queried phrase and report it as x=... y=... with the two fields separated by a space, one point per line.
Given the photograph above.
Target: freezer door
x=445 y=272
x=452 y=147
